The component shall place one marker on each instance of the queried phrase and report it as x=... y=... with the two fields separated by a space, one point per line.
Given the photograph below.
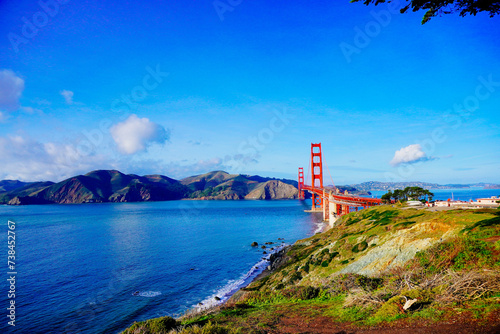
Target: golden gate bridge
x=330 y=200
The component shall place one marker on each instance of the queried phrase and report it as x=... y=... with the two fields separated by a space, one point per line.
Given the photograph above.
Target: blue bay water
x=79 y=266
x=462 y=194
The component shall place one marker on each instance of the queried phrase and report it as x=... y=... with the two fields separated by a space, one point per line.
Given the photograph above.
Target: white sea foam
x=234 y=285
x=149 y=294
x=320 y=227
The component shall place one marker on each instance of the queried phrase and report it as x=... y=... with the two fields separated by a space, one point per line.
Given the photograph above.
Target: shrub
x=301 y=292
x=368 y=283
x=208 y=328
x=390 y=309
x=156 y=325
x=333 y=255
x=360 y=247
x=296 y=276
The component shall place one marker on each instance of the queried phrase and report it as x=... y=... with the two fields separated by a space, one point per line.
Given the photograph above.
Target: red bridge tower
x=317 y=174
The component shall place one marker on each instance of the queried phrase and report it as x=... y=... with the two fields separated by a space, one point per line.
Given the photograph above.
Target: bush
x=301 y=292
x=156 y=325
x=368 y=283
x=208 y=328
x=360 y=247
x=296 y=276
x=391 y=309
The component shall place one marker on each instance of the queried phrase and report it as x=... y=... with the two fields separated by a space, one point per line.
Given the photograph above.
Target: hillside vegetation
x=113 y=186
x=383 y=269
x=221 y=185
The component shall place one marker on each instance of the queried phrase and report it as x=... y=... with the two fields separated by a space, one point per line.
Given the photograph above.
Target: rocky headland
x=385 y=269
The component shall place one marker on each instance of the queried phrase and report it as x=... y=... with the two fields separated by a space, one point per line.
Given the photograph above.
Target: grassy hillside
x=221 y=185
x=385 y=268
x=113 y=186
x=98 y=186
x=8 y=185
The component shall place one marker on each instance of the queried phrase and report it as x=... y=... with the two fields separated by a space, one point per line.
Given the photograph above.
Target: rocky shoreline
x=276 y=259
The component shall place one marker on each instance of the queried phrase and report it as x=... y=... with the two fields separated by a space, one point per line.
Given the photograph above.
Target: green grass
x=307 y=286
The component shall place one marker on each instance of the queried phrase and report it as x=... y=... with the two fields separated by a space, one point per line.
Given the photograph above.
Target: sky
x=186 y=87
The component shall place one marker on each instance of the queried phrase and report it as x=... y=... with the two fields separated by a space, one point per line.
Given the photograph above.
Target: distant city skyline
x=186 y=88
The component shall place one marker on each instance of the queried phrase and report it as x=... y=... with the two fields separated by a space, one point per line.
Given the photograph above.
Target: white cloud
x=11 y=89
x=68 y=96
x=135 y=134
x=410 y=154
x=30 y=160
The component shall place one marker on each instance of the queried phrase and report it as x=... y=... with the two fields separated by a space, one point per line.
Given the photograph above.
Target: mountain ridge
x=113 y=186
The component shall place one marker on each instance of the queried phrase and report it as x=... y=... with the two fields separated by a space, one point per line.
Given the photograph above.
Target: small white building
x=480 y=203
x=450 y=203
x=492 y=200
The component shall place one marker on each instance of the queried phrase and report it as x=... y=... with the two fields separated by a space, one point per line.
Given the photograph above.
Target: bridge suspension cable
x=328 y=169
x=332 y=204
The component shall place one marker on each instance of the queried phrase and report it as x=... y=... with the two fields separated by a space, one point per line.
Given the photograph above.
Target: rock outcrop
x=220 y=185
x=273 y=190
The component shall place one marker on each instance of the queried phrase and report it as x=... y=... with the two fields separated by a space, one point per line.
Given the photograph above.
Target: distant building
x=450 y=203
x=491 y=200
x=481 y=203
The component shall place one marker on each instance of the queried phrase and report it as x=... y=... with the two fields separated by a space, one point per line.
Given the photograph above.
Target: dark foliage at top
x=434 y=8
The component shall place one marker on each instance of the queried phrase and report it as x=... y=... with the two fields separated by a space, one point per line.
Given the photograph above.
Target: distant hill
x=8 y=185
x=352 y=190
x=113 y=186
x=375 y=185
x=221 y=185
x=273 y=190
x=26 y=193
x=96 y=187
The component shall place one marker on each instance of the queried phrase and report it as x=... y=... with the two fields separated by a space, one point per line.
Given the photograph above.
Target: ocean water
x=462 y=194
x=97 y=268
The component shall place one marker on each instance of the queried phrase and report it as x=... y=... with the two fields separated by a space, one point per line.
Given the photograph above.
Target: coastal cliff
x=273 y=190
x=385 y=269
x=221 y=185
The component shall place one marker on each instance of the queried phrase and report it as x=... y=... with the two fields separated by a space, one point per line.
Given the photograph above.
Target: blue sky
x=181 y=88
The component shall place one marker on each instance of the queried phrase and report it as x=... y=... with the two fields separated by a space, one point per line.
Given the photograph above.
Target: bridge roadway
x=342 y=199
x=329 y=199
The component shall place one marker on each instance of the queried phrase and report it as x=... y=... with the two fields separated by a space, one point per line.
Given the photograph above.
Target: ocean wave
x=149 y=294
x=223 y=294
x=320 y=227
